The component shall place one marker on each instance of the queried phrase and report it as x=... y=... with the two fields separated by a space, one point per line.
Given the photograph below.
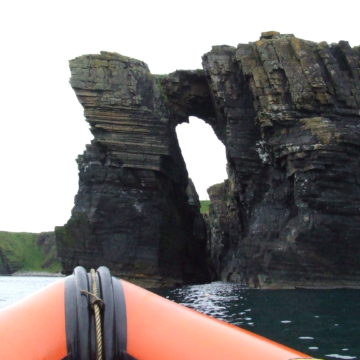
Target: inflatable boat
x=96 y=316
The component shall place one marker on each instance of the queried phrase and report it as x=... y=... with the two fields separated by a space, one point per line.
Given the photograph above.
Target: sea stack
x=288 y=113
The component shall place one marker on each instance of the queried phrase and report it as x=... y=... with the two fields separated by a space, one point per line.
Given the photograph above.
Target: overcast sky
x=42 y=124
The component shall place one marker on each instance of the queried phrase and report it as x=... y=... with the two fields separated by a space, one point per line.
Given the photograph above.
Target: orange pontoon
x=58 y=323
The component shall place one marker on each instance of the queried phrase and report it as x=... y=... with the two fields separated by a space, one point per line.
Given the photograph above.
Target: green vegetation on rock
x=20 y=251
x=204 y=206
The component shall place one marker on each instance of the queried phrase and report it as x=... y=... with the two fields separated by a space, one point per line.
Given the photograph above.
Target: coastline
x=162 y=283
x=36 y=273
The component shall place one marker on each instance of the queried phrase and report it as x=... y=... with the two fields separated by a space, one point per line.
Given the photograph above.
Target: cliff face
x=287 y=111
x=135 y=210
x=292 y=201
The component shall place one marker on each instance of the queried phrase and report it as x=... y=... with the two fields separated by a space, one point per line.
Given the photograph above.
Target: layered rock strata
x=135 y=211
x=288 y=113
x=292 y=201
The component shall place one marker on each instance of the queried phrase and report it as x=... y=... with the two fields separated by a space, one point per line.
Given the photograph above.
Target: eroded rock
x=132 y=212
x=287 y=111
x=292 y=138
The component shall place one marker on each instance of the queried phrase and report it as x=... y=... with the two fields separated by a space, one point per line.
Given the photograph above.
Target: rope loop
x=94 y=299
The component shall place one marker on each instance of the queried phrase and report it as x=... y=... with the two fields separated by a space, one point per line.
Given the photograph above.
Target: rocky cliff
x=136 y=211
x=289 y=213
x=287 y=111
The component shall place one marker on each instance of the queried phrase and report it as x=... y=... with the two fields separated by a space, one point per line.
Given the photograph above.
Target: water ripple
x=211 y=299
x=337 y=356
x=317 y=322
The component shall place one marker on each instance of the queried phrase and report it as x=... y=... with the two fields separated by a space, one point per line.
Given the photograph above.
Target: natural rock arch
x=287 y=111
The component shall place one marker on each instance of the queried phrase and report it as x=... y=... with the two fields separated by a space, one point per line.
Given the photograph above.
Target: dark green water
x=321 y=323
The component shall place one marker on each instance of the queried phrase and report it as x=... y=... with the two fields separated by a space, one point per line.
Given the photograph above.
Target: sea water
x=14 y=288
x=321 y=323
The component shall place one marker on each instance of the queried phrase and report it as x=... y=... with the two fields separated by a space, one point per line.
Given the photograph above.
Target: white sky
x=41 y=122
x=204 y=154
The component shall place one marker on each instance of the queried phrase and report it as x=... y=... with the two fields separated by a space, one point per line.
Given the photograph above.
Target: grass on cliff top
x=23 y=253
x=204 y=206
